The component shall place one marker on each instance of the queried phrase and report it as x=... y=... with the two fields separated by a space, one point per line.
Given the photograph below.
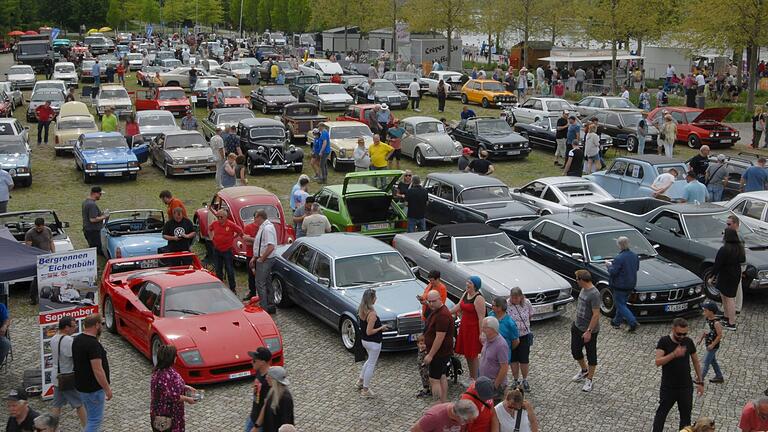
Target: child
x=712 y=338
x=425 y=391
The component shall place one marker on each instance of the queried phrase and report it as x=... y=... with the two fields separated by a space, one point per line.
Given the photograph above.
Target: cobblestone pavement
x=323 y=376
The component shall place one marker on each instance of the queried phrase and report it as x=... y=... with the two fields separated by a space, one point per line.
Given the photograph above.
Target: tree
x=117 y=14
x=339 y=13
x=491 y=19
x=210 y=12
x=298 y=16
x=149 y=11
x=526 y=20
x=446 y=16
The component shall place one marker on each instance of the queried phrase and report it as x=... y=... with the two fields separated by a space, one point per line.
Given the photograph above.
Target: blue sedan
x=131 y=233
x=631 y=176
x=106 y=154
x=14 y=158
x=327 y=276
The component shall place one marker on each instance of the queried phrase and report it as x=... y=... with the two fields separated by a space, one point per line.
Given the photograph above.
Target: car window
x=596 y=103
x=528 y=104
x=322 y=198
x=333 y=203
x=302 y=257
x=446 y=192
x=754 y=209
x=322 y=267
x=634 y=171
x=550 y=195
x=739 y=209
x=668 y=222
x=613 y=119
x=678 y=116
x=547 y=233
x=441 y=243
x=409 y=129
x=584 y=102
x=149 y=296
x=571 y=243
x=618 y=167
x=537 y=105
x=533 y=189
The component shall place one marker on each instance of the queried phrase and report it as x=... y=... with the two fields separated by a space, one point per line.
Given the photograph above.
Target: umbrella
x=92 y=31
x=105 y=29
x=16 y=33
x=30 y=32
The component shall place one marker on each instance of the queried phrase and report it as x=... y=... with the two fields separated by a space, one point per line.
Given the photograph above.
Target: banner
x=149 y=31
x=66 y=285
x=55 y=33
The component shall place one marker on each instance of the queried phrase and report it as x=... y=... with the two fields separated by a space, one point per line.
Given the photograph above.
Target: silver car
x=238 y=69
x=66 y=72
x=21 y=76
x=182 y=153
x=426 y=140
x=459 y=251
x=17 y=98
x=40 y=97
x=752 y=208
x=560 y=194
x=154 y=122
x=328 y=97
x=115 y=96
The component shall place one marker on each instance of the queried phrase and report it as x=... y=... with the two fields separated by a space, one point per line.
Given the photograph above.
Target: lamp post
x=241 y=19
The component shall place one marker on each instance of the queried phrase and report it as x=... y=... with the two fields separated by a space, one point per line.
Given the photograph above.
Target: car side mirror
x=656 y=246
x=445 y=256
x=577 y=256
x=324 y=281
x=522 y=250
x=148 y=315
x=65 y=224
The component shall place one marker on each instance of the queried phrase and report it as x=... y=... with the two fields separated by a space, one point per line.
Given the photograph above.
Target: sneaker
x=526 y=387
x=367 y=393
x=633 y=328
x=579 y=376
x=717 y=380
x=359 y=384
x=587 y=385
x=424 y=393
x=729 y=326
x=616 y=326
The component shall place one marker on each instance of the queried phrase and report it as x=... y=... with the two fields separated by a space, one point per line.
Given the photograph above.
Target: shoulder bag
x=706 y=183
x=160 y=423
x=66 y=381
x=357 y=349
x=518 y=420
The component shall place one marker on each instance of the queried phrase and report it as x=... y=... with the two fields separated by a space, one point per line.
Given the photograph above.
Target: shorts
x=522 y=353
x=594 y=158
x=578 y=345
x=438 y=367
x=71 y=397
x=395 y=155
x=560 y=150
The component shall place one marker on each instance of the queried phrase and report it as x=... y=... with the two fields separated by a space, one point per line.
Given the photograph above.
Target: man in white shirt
x=663 y=182
x=61 y=347
x=625 y=93
x=264 y=245
x=361 y=156
x=700 y=83
x=217 y=145
x=414 y=92
x=316 y=223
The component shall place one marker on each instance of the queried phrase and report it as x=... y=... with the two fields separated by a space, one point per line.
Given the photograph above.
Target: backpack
x=664 y=98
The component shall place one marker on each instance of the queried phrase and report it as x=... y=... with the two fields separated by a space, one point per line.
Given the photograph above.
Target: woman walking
x=229 y=171
x=370 y=329
x=520 y=309
x=471 y=309
x=278 y=405
x=727 y=270
x=592 y=148
x=168 y=393
x=668 y=135
x=442 y=95
x=513 y=406
x=758 y=126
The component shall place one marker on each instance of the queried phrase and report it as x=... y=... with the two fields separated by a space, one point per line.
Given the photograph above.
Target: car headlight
x=762 y=274
x=211 y=159
x=711 y=134
x=735 y=133
x=91 y=166
x=12 y=171
x=495 y=146
x=273 y=344
x=699 y=289
x=653 y=296
x=260 y=149
x=391 y=324
x=162 y=107
x=178 y=161
x=525 y=144
x=430 y=150
x=457 y=146
x=191 y=357
x=565 y=293
x=691 y=291
x=292 y=148
x=22 y=170
x=343 y=153
x=643 y=296
x=133 y=164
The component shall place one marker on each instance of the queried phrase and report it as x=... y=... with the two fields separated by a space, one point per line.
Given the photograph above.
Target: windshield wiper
x=186 y=311
x=506 y=254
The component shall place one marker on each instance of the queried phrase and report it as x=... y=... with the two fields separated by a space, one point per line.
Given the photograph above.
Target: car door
x=325 y=296
x=570 y=255
x=156 y=150
x=532 y=193
x=583 y=106
x=148 y=298
x=311 y=95
x=440 y=202
x=408 y=142
x=666 y=230
x=612 y=178
x=299 y=278
x=753 y=211
x=631 y=181
x=543 y=242
x=524 y=114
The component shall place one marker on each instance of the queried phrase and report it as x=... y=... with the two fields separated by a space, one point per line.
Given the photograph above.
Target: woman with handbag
x=168 y=393
x=64 y=391
x=520 y=309
x=514 y=414
x=370 y=329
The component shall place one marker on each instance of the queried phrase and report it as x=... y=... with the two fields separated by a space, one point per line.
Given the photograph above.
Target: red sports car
x=171 y=299
x=242 y=202
x=698 y=127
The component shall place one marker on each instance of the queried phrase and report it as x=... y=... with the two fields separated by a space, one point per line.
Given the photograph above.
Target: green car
x=364 y=204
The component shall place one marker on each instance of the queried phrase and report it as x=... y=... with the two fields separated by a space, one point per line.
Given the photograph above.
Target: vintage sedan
x=468 y=197
x=632 y=176
x=40 y=97
x=21 y=76
x=328 y=275
x=106 y=154
x=300 y=85
x=535 y=108
x=697 y=127
x=233 y=98
x=358 y=113
x=570 y=242
x=238 y=69
x=271 y=98
x=751 y=208
x=74 y=120
x=493 y=135
x=131 y=233
x=328 y=97
x=144 y=75
x=364 y=203
x=11 y=126
x=265 y=71
x=736 y=165
x=459 y=251
x=171 y=299
x=560 y=194
x=402 y=80
x=488 y=93
x=66 y=71
x=116 y=97
x=86 y=71
x=322 y=68
x=590 y=105
x=135 y=61
x=52 y=84
x=383 y=92
x=426 y=140
x=171 y=99
x=223 y=118
x=242 y=202
x=455 y=81
x=621 y=125
x=15 y=155
x=344 y=135
x=300 y=118
x=542 y=133
x=154 y=122
x=19 y=222
x=182 y=153
x=266 y=146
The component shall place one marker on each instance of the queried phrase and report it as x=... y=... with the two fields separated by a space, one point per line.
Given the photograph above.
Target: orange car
x=487 y=93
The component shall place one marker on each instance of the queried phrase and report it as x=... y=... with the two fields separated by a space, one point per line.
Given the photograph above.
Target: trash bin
x=700 y=101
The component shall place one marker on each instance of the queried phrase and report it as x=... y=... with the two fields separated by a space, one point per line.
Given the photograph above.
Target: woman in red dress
x=471 y=308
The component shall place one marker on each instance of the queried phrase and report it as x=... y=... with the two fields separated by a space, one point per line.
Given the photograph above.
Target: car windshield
x=152 y=69
x=104 y=142
x=619 y=103
x=284 y=65
x=94 y=40
x=204 y=84
x=267 y=132
x=231 y=93
x=113 y=94
x=135 y=56
x=493 y=86
x=307 y=80
x=36 y=48
x=200 y=299
x=156 y=120
x=247 y=212
x=384 y=86
x=404 y=76
x=42 y=96
x=602 y=246
x=370 y=269
x=710 y=225
x=137 y=215
x=343 y=132
x=493 y=127
x=171 y=94
x=171 y=63
x=631 y=119
x=64 y=68
x=276 y=91
x=429 y=128
x=20 y=70
x=238 y=66
x=234 y=118
x=185 y=140
x=354 y=81
x=6 y=128
x=12 y=147
x=484 y=194
x=76 y=124
x=559 y=105
x=331 y=89
x=484 y=248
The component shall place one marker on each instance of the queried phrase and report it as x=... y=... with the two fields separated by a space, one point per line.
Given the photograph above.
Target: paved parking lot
x=323 y=376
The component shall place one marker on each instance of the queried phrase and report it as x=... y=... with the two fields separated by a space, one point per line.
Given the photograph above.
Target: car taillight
x=402 y=224
x=118 y=253
x=352 y=228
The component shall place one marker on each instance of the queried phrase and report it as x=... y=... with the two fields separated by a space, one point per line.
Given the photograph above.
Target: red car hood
x=235 y=101
x=713 y=114
x=173 y=102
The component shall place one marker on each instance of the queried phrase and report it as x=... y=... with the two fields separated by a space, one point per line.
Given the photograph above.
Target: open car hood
x=389 y=177
x=713 y=114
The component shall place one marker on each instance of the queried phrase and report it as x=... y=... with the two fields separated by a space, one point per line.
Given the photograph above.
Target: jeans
x=40 y=126
x=667 y=399
x=620 y=298
x=219 y=169
x=715 y=192
x=668 y=149
x=441 y=103
x=324 y=167
x=223 y=260
x=249 y=425
x=94 y=410
x=417 y=224
x=415 y=100
x=641 y=144
x=264 y=284
x=710 y=359
x=373 y=349
x=3 y=206
x=5 y=348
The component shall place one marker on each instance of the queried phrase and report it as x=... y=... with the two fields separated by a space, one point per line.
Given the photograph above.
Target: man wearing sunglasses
x=675 y=353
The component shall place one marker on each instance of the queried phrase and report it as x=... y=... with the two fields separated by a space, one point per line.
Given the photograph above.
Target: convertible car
x=559 y=194
x=130 y=233
x=170 y=299
x=18 y=223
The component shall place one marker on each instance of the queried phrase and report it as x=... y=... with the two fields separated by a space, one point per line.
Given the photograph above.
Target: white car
x=752 y=208
x=154 y=122
x=74 y=120
x=322 y=68
x=39 y=97
x=115 y=96
x=560 y=194
x=54 y=84
x=238 y=69
x=453 y=79
x=66 y=72
x=592 y=104
x=135 y=61
x=328 y=97
x=17 y=98
x=536 y=108
x=21 y=76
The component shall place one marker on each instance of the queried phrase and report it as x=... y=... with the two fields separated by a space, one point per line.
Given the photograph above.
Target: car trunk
x=372 y=209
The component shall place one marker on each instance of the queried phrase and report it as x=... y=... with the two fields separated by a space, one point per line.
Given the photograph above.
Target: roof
x=686 y=208
x=338 y=123
x=153 y=112
x=560 y=180
x=102 y=134
x=587 y=222
x=229 y=110
x=243 y=191
x=419 y=119
x=340 y=245
x=466 y=180
x=466 y=229
x=260 y=121
x=112 y=86
x=182 y=132
x=350 y=30
x=564 y=58
x=536 y=45
x=762 y=195
x=653 y=159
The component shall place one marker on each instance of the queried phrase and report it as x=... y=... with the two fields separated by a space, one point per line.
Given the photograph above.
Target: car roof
x=560 y=180
x=229 y=110
x=322 y=84
x=762 y=195
x=338 y=123
x=102 y=135
x=686 y=208
x=148 y=113
x=340 y=245
x=587 y=222
x=112 y=87
x=466 y=229
x=170 y=88
x=243 y=191
x=465 y=180
x=419 y=119
x=182 y=132
x=652 y=159
x=260 y=121
x=7 y=119
x=229 y=87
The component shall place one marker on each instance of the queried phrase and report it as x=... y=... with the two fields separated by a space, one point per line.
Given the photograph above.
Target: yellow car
x=344 y=135
x=73 y=120
x=487 y=93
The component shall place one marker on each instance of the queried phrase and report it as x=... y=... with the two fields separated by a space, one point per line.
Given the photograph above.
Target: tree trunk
x=613 y=66
x=448 y=39
x=394 y=31
x=738 y=55
x=346 y=32
x=752 y=65
x=490 y=41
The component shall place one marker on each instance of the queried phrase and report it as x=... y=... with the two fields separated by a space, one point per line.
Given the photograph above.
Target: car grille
x=231 y=369
x=504 y=98
x=276 y=155
x=111 y=166
x=409 y=324
x=303 y=127
x=543 y=297
x=673 y=295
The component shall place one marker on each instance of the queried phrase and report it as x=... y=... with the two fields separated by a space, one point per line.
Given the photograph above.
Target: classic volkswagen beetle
x=426 y=140
x=265 y=145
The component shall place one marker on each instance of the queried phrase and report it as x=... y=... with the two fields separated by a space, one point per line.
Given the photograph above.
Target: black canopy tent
x=17 y=261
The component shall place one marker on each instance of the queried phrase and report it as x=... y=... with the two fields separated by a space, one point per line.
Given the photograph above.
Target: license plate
x=373 y=227
x=198 y=169
x=676 y=307
x=239 y=375
x=543 y=308
x=113 y=174
x=725 y=141
x=513 y=152
x=279 y=166
x=411 y=337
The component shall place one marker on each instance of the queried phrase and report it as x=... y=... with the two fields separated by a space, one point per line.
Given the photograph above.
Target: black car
x=271 y=98
x=383 y=91
x=621 y=125
x=404 y=79
x=492 y=135
x=542 y=133
x=301 y=84
x=468 y=197
x=570 y=242
x=735 y=166
x=266 y=146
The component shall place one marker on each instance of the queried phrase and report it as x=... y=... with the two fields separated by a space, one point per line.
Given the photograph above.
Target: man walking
x=438 y=336
x=264 y=245
x=179 y=232
x=414 y=93
x=45 y=115
x=585 y=328
x=217 y=145
x=223 y=232
x=675 y=353
x=561 y=133
x=323 y=152
x=93 y=219
x=189 y=122
x=63 y=387
x=261 y=360
x=623 y=278
x=494 y=357
x=91 y=372
x=416 y=197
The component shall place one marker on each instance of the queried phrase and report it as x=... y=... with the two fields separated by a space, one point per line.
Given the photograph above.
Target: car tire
x=710 y=291
x=607 y=301
x=86 y=178
x=631 y=144
x=348 y=331
x=419 y=158
x=59 y=152
x=464 y=99
x=320 y=106
x=166 y=172
x=133 y=177
x=264 y=109
x=280 y=295
x=110 y=320
x=334 y=163
x=298 y=169
x=486 y=104
x=156 y=344
x=693 y=142
x=545 y=212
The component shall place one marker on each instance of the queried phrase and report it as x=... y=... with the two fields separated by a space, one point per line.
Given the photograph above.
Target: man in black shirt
x=179 y=232
x=91 y=371
x=481 y=165
x=403 y=185
x=416 y=197
x=261 y=359
x=699 y=163
x=672 y=354
x=561 y=133
x=20 y=416
x=574 y=166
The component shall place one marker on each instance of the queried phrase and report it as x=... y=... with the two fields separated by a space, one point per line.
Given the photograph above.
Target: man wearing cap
x=261 y=360
x=21 y=417
x=464 y=159
x=45 y=115
x=383 y=116
x=561 y=133
x=716 y=177
x=481 y=393
x=93 y=219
